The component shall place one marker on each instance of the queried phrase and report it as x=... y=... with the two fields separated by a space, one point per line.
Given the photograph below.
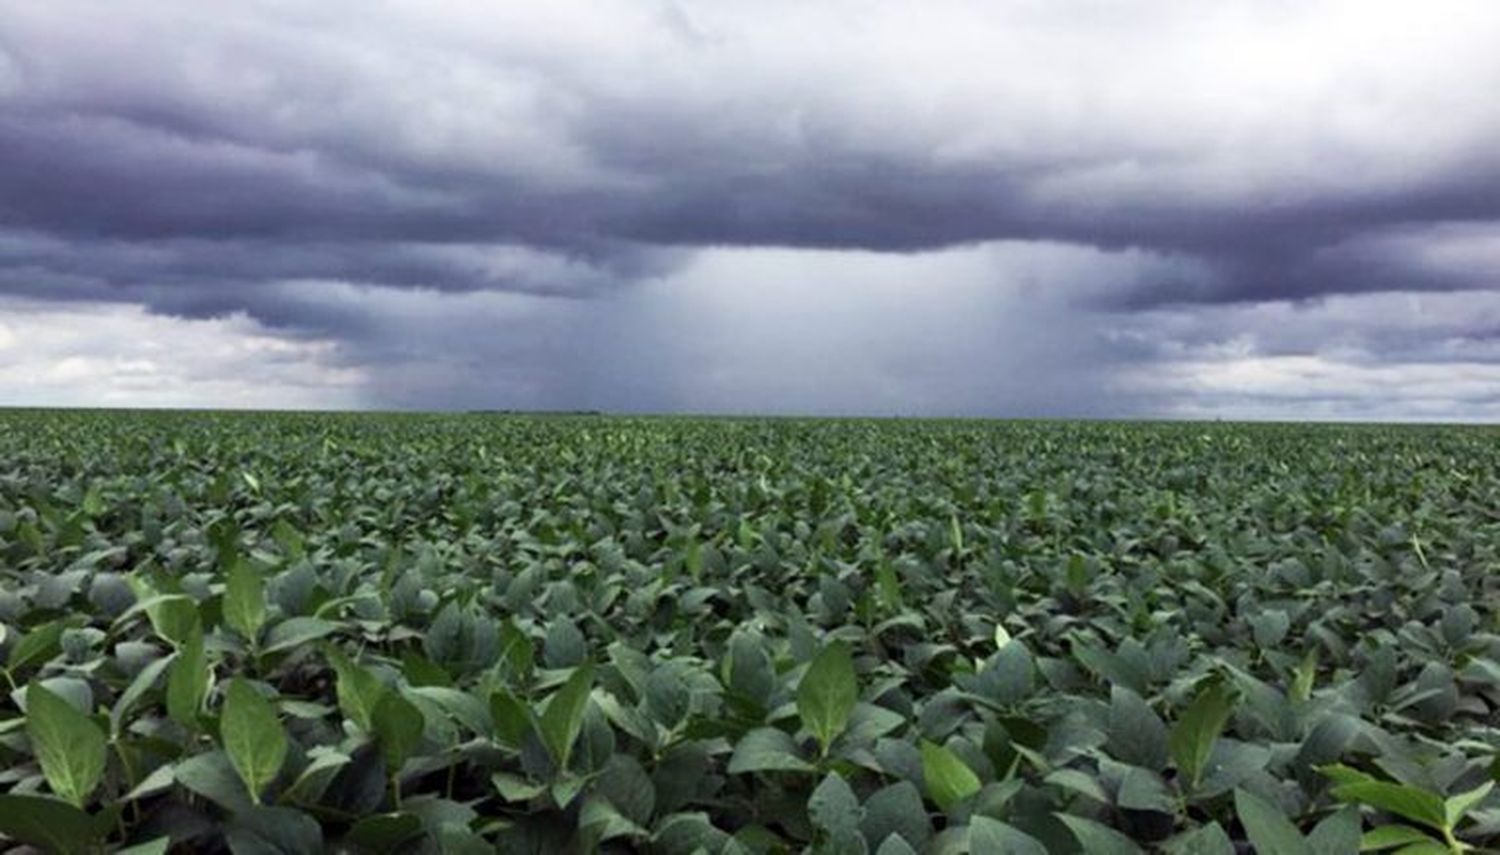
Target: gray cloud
x=420 y=183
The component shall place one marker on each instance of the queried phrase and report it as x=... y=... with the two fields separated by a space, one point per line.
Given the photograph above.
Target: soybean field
x=464 y=633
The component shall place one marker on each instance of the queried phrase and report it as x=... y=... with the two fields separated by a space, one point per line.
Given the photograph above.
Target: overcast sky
x=1163 y=208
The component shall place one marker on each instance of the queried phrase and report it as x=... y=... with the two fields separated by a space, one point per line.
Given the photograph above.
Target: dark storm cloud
x=370 y=173
x=257 y=124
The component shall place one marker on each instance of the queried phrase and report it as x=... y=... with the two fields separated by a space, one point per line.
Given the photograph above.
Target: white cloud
x=1408 y=356
x=118 y=355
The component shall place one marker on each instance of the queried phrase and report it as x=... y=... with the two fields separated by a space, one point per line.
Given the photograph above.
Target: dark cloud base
x=289 y=168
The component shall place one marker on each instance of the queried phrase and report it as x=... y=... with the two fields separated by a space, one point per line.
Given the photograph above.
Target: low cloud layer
x=1018 y=208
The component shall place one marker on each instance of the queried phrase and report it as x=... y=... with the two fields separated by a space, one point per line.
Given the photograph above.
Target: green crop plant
x=306 y=633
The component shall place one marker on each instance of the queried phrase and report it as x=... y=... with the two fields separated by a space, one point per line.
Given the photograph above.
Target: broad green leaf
x=187 y=683
x=279 y=830
x=384 y=832
x=69 y=746
x=357 y=689
x=1098 y=839
x=561 y=721
x=1143 y=789
x=1079 y=782
x=516 y=789
x=1455 y=807
x=172 y=616
x=1402 y=800
x=599 y=820
x=252 y=736
x=143 y=682
x=1391 y=836
x=827 y=694
x=295 y=632
x=244 y=599
x=628 y=788
x=1306 y=674
x=992 y=837
x=512 y=718
x=897 y=809
x=1009 y=677
x=894 y=845
x=949 y=781
x=398 y=726
x=688 y=833
x=835 y=811
x=888 y=584
x=564 y=645
x=1137 y=735
x=212 y=776
x=1204 y=840
x=314 y=779
x=1269 y=830
x=667 y=696
x=161 y=779
x=35 y=648
x=1193 y=736
x=45 y=822
x=1337 y=832
x=516 y=651
x=463 y=707
x=766 y=749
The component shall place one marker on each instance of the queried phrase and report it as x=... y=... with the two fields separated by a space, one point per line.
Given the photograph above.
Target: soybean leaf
x=252 y=736
x=279 y=830
x=398 y=725
x=358 y=691
x=142 y=683
x=35 y=647
x=894 y=845
x=1192 y=738
x=563 y=718
x=992 y=837
x=949 y=781
x=517 y=652
x=897 y=809
x=244 y=599
x=1455 y=807
x=1391 y=836
x=187 y=684
x=827 y=694
x=1137 y=735
x=69 y=746
x=297 y=631
x=314 y=779
x=1269 y=830
x=173 y=616
x=1337 y=832
x=212 y=776
x=46 y=822
x=835 y=810
x=384 y=832
x=1403 y=800
x=512 y=718
x=766 y=749
x=1098 y=839
x=1204 y=840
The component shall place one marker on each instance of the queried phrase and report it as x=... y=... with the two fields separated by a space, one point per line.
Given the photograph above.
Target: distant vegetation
x=471 y=633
